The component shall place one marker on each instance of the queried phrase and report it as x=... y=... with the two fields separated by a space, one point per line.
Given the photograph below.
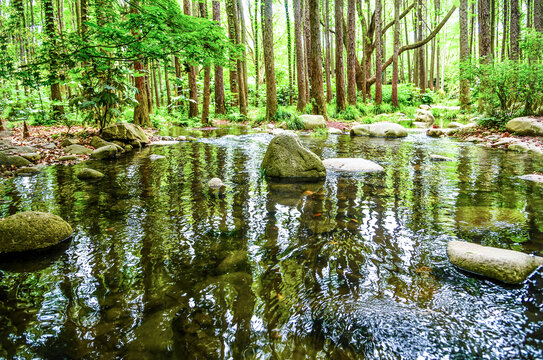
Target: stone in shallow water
x=12 y=160
x=67 y=158
x=352 y=164
x=311 y=122
x=215 y=183
x=89 y=174
x=434 y=157
x=27 y=171
x=32 y=230
x=532 y=177
x=508 y=266
x=105 y=152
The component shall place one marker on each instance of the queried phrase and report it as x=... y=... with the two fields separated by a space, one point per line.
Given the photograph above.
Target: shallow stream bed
x=354 y=267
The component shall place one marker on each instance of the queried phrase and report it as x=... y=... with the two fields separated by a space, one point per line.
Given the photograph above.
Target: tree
x=191 y=73
x=326 y=15
x=207 y=75
x=538 y=15
x=141 y=110
x=340 y=72
x=396 y=52
x=300 y=63
x=289 y=53
x=514 y=31
x=56 y=95
x=220 y=107
x=464 y=55
x=351 y=52
x=317 y=88
x=378 y=69
x=269 y=64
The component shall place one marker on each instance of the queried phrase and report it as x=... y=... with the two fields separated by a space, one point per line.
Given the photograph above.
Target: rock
x=50 y=146
x=473 y=139
x=67 y=158
x=97 y=143
x=88 y=174
x=215 y=183
x=334 y=131
x=519 y=147
x=270 y=126
x=191 y=138
x=424 y=107
x=321 y=226
x=352 y=164
x=425 y=116
x=127 y=133
x=455 y=125
x=435 y=132
x=128 y=148
x=32 y=230
x=77 y=150
x=27 y=171
x=387 y=129
x=181 y=138
x=20 y=150
x=312 y=122
x=68 y=142
x=440 y=158
x=278 y=132
x=287 y=158
x=105 y=152
x=154 y=157
x=360 y=130
x=508 y=266
x=525 y=126
x=12 y=160
x=32 y=157
x=532 y=177
x=421 y=125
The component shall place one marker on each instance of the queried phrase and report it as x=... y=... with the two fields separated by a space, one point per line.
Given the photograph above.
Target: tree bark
x=220 y=107
x=326 y=5
x=317 y=89
x=168 y=89
x=191 y=72
x=269 y=64
x=538 y=15
x=257 y=55
x=300 y=64
x=56 y=95
x=239 y=62
x=289 y=53
x=233 y=64
x=307 y=44
x=514 y=32
x=207 y=75
x=421 y=52
x=351 y=52
x=464 y=55
x=505 y=28
x=340 y=72
x=378 y=69
x=396 y=53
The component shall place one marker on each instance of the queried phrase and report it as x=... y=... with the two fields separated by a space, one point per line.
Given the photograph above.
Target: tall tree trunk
x=340 y=72
x=351 y=52
x=492 y=26
x=233 y=64
x=326 y=4
x=505 y=28
x=141 y=110
x=207 y=74
x=538 y=15
x=472 y=31
x=289 y=53
x=300 y=63
x=317 y=89
x=464 y=55
x=396 y=52
x=307 y=57
x=515 y=29
x=168 y=89
x=56 y=95
x=257 y=54
x=421 y=52
x=220 y=107
x=378 y=70
x=269 y=64
x=191 y=73
x=437 y=4
x=239 y=62
x=179 y=86
x=155 y=82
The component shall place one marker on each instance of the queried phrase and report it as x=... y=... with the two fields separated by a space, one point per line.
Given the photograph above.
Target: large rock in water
x=31 y=231
x=352 y=164
x=508 y=266
x=287 y=158
x=425 y=116
x=311 y=122
x=525 y=126
x=127 y=133
x=381 y=129
x=105 y=152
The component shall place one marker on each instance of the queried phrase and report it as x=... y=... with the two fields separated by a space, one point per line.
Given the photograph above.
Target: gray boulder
x=311 y=122
x=352 y=164
x=32 y=156
x=77 y=150
x=127 y=133
x=32 y=230
x=12 y=160
x=425 y=116
x=508 y=266
x=519 y=147
x=98 y=142
x=435 y=132
x=434 y=157
x=287 y=158
x=532 y=177
x=525 y=126
x=67 y=158
x=28 y=171
x=455 y=125
x=105 y=152
x=89 y=174
x=69 y=141
x=215 y=183
x=387 y=129
x=334 y=131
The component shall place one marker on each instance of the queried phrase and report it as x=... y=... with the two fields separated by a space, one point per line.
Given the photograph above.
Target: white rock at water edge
x=352 y=164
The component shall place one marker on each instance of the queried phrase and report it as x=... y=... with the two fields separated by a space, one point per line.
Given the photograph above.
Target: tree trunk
x=233 y=64
x=191 y=72
x=168 y=89
x=179 y=87
x=271 y=90
x=351 y=52
x=421 y=52
x=326 y=4
x=141 y=110
x=317 y=89
x=538 y=15
x=300 y=65
x=378 y=70
x=472 y=31
x=257 y=55
x=307 y=57
x=289 y=53
x=464 y=55
x=207 y=75
x=155 y=82
x=396 y=52
x=515 y=29
x=220 y=107
x=437 y=4
x=239 y=62
x=505 y=28
x=340 y=72
x=56 y=95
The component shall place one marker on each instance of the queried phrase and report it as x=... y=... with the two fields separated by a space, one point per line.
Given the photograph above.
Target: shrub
x=288 y=116
x=350 y=113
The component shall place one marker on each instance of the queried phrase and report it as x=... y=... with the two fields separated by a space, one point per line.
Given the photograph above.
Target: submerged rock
x=287 y=158
x=234 y=261
x=435 y=132
x=215 y=183
x=525 y=126
x=352 y=164
x=519 y=147
x=508 y=266
x=105 y=152
x=434 y=157
x=532 y=177
x=67 y=158
x=312 y=122
x=32 y=230
x=127 y=133
x=89 y=174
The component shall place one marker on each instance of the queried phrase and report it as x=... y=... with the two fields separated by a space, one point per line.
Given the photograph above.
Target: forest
x=164 y=63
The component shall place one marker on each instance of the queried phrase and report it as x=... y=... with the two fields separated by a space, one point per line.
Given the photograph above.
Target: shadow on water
x=353 y=267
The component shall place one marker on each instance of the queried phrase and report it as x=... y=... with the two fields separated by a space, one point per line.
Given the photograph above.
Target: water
x=353 y=267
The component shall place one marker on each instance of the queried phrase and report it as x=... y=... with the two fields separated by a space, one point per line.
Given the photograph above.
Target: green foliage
x=384 y=108
x=283 y=95
x=236 y=117
x=350 y=113
x=320 y=132
x=288 y=116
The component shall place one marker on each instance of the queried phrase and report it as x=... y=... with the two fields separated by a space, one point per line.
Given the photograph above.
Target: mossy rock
x=12 y=160
x=31 y=231
x=125 y=132
x=89 y=174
